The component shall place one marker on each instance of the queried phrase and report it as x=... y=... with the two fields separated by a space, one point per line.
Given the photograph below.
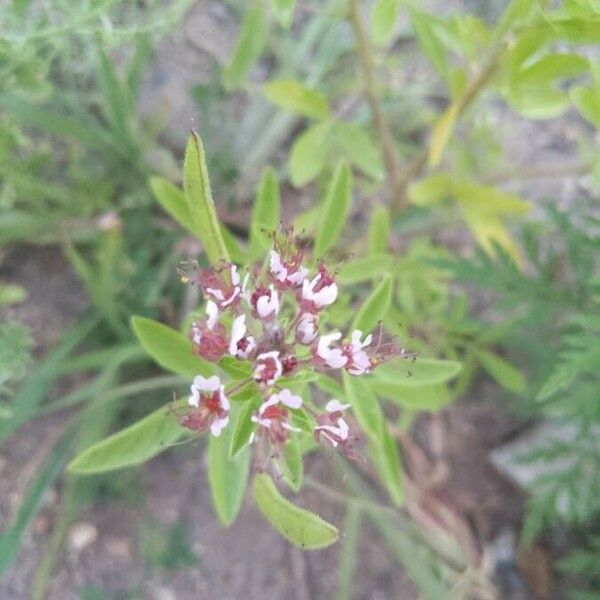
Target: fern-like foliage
x=553 y=305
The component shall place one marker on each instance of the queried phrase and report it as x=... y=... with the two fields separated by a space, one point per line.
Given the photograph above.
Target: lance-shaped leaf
x=291 y=463
x=432 y=397
x=386 y=457
x=309 y=153
x=169 y=348
x=365 y=406
x=507 y=375
x=379 y=230
x=423 y=371
x=291 y=94
x=248 y=48
x=133 y=445
x=364 y=269
x=172 y=199
x=442 y=132
x=265 y=215
x=301 y=527
x=198 y=194
x=244 y=426
x=335 y=209
x=236 y=369
x=227 y=476
x=383 y=21
x=374 y=307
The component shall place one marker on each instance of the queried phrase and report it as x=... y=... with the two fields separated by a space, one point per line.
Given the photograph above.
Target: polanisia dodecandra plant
x=264 y=335
x=275 y=311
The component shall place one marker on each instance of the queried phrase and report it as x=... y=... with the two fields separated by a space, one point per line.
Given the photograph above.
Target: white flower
x=359 y=362
x=235 y=290
x=267 y=304
x=277 y=268
x=238 y=333
x=332 y=357
x=201 y=385
x=268 y=367
x=212 y=314
x=208 y=395
x=335 y=431
x=218 y=425
x=336 y=406
x=284 y=397
x=324 y=296
x=306 y=330
x=282 y=273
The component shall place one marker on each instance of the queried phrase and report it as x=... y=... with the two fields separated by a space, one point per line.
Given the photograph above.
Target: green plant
x=280 y=408
x=552 y=327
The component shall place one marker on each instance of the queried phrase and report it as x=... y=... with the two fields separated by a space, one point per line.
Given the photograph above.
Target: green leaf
x=172 y=199
x=299 y=526
x=236 y=369
x=423 y=397
x=294 y=96
x=365 y=406
x=244 y=426
x=442 y=132
x=118 y=103
x=284 y=11
x=549 y=68
x=429 y=41
x=245 y=393
x=291 y=463
x=309 y=153
x=236 y=253
x=374 y=307
x=379 y=230
x=539 y=102
x=36 y=387
x=133 y=445
x=423 y=371
x=351 y=142
x=227 y=476
x=587 y=102
x=517 y=10
x=265 y=216
x=385 y=455
x=169 y=348
x=364 y=269
x=305 y=376
x=430 y=190
x=301 y=419
x=330 y=386
x=198 y=194
x=383 y=21
x=334 y=210
x=11 y=538
x=507 y=375
x=249 y=46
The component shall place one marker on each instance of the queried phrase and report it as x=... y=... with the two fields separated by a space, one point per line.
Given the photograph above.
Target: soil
x=249 y=560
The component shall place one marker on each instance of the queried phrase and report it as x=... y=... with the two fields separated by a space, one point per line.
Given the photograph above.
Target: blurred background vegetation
x=472 y=131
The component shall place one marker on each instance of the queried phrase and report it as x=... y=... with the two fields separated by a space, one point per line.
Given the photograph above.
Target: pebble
x=82 y=535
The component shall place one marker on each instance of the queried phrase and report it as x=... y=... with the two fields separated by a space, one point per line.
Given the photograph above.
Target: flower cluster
x=274 y=313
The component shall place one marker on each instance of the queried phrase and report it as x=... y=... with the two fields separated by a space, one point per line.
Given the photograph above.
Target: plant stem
x=471 y=92
x=346 y=498
x=540 y=172
x=367 y=61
